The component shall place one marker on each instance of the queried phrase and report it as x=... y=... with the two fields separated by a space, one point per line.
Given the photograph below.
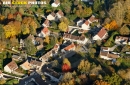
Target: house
x=102 y=34
x=69 y=48
x=33 y=79
x=44 y=32
x=22 y=44
x=1 y=74
x=92 y=19
x=25 y=65
x=56 y=3
x=86 y=25
x=122 y=40
x=80 y=22
x=89 y=1
x=59 y=14
x=39 y=47
x=50 y=53
x=16 y=57
x=54 y=76
x=10 y=67
x=107 y=55
x=51 y=16
x=46 y=23
x=73 y=38
x=35 y=64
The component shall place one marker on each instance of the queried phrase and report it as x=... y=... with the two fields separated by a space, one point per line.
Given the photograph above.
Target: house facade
x=51 y=16
x=46 y=23
x=10 y=67
x=70 y=47
x=122 y=40
x=102 y=34
x=107 y=55
x=86 y=25
x=1 y=74
x=56 y=3
x=44 y=32
x=25 y=65
x=73 y=38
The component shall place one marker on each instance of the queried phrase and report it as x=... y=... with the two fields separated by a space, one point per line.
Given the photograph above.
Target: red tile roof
x=12 y=65
x=45 y=30
x=46 y=22
x=69 y=47
x=102 y=32
x=60 y=13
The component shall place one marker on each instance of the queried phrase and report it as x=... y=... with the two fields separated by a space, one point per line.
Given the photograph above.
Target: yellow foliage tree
x=2 y=17
x=47 y=39
x=100 y=82
x=2 y=81
x=63 y=26
x=2 y=45
x=66 y=61
x=111 y=26
x=10 y=31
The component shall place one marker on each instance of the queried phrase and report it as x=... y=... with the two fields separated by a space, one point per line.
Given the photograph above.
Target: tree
x=65 y=20
x=21 y=10
x=6 y=12
x=66 y=61
x=117 y=13
x=2 y=45
x=97 y=5
x=100 y=82
x=84 y=66
x=67 y=76
x=25 y=29
x=54 y=25
x=30 y=48
x=2 y=81
x=114 y=79
x=83 y=12
x=92 y=50
x=98 y=42
x=63 y=26
x=124 y=30
x=47 y=39
x=10 y=16
x=55 y=63
x=66 y=68
x=18 y=17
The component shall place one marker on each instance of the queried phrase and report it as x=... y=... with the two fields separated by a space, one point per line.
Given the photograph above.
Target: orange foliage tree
x=66 y=65
x=100 y=82
x=111 y=26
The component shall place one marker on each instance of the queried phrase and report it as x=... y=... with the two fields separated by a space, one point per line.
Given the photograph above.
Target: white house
x=102 y=34
x=86 y=25
x=51 y=16
x=59 y=14
x=73 y=38
x=105 y=54
x=122 y=40
x=35 y=64
x=92 y=19
x=25 y=65
x=56 y=3
x=44 y=32
x=1 y=74
x=46 y=23
x=10 y=67
x=52 y=52
x=80 y=22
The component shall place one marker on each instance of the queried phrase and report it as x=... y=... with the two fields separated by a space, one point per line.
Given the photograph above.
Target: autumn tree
x=97 y=5
x=83 y=11
x=2 y=17
x=100 y=82
x=2 y=45
x=124 y=30
x=54 y=25
x=66 y=65
x=18 y=17
x=55 y=63
x=67 y=76
x=2 y=81
x=47 y=39
x=10 y=16
x=30 y=48
x=114 y=79
x=63 y=26
x=117 y=13
x=84 y=66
